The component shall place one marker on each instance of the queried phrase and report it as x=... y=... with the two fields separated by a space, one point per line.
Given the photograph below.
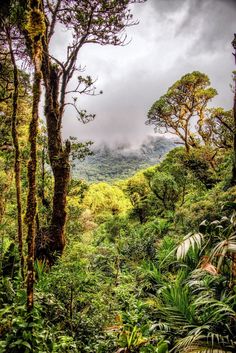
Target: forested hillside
x=126 y=250
x=122 y=160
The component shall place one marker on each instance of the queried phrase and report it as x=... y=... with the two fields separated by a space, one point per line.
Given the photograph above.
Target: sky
x=173 y=37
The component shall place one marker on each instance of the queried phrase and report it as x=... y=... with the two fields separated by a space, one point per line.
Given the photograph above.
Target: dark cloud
x=230 y=2
x=213 y=21
x=170 y=6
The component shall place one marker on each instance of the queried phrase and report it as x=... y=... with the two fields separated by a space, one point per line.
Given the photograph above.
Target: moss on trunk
x=59 y=161
x=34 y=33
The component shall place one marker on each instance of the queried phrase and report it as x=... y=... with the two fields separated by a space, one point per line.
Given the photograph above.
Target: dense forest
x=139 y=254
x=107 y=163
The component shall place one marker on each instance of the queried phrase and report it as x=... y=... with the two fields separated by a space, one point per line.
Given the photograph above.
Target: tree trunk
x=59 y=160
x=35 y=45
x=17 y=164
x=31 y=200
x=233 y=179
x=4 y=192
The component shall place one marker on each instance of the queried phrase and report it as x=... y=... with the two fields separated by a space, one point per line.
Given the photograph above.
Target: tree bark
x=17 y=163
x=31 y=200
x=34 y=43
x=59 y=160
x=233 y=178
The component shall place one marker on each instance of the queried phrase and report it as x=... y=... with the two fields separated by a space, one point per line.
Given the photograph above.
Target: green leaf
x=26 y=344
x=162 y=348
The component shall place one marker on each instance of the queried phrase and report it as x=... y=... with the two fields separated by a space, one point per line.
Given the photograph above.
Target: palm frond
x=191 y=241
x=175 y=306
x=204 y=341
x=216 y=310
x=222 y=248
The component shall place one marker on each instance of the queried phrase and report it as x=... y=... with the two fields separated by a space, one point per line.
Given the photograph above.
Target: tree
x=13 y=154
x=233 y=180
x=138 y=191
x=34 y=30
x=13 y=84
x=182 y=106
x=104 y=199
x=217 y=129
x=98 y=22
x=173 y=165
x=165 y=188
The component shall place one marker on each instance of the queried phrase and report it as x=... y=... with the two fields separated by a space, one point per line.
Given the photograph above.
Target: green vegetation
x=121 y=161
x=145 y=263
x=143 y=270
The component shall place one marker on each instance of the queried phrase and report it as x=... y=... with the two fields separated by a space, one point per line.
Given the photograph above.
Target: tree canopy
x=181 y=111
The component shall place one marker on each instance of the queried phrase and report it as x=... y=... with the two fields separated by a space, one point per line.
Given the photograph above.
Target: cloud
x=173 y=37
x=164 y=7
x=213 y=21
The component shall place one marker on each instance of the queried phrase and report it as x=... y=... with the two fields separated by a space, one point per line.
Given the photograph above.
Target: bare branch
x=83 y=116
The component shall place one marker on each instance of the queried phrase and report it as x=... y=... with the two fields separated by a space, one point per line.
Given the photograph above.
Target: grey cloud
x=229 y=2
x=215 y=23
x=212 y=20
x=205 y=31
x=120 y=111
x=167 y=6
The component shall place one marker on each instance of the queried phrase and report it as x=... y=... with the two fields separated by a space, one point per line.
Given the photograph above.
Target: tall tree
x=182 y=107
x=34 y=31
x=233 y=180
x=8 y=26
x=95 y=21
x=17 y=167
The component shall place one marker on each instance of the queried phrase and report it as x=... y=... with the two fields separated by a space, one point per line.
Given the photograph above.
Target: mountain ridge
x=121 y=160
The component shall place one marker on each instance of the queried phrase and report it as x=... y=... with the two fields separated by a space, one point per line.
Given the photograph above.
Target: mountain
x=122 y=160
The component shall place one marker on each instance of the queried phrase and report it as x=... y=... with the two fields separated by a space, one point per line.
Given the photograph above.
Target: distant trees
x=137 y=189
x=105 y=200
x=152 y=192
x=165 y=188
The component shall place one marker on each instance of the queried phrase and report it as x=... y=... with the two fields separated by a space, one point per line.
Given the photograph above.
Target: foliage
x=150 y=261
x=108 y=163
x=104 y=200
x=165 y=188
x=119 y=286
x=183 y=104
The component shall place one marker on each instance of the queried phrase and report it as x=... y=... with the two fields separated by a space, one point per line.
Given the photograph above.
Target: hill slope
x=121 y=161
